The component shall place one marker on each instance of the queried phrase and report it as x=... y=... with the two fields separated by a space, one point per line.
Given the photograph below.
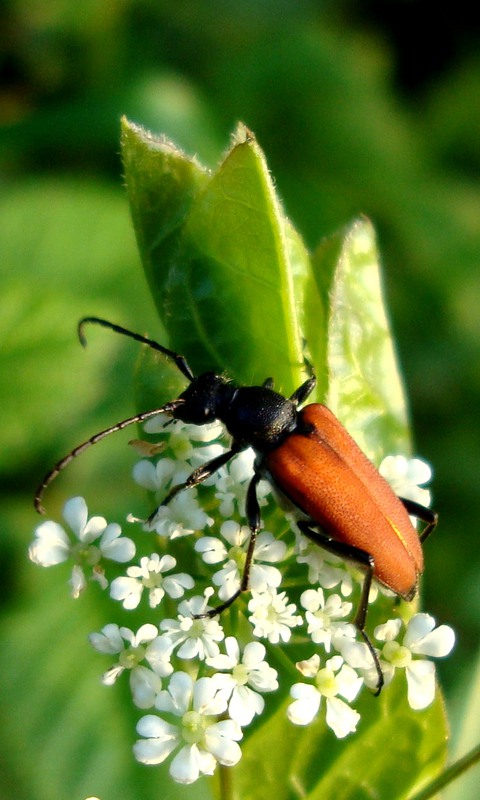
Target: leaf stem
x=450 y=774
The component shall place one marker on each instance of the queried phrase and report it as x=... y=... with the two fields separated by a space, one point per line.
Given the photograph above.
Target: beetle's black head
x=204 y=398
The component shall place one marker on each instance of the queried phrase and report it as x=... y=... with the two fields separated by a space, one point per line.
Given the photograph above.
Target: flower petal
x=421 y=683
x=221 y=740
x=144 y=685
x=116 y=547
x=253 y=654
x=161 y=740
x=244 y=704
x=437 y=644
x=306 y=705
x=188 y=764
x=127 y=590
x=146 y=633
x=75 y=513
x=177 y=698
x=210 y=695
x=175 y=585
x=340 y=717
x=418 y=627
x=108 y=641
x=51 y=545
x=77 y=581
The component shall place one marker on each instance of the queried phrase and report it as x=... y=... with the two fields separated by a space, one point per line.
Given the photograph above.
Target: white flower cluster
x=202 y=678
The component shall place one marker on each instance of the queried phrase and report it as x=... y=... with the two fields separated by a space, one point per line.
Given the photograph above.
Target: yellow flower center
x=193 y=727
x=240 y=674
x=397 y=654
x=131 y=657
x=238 y=555
x=326 y=682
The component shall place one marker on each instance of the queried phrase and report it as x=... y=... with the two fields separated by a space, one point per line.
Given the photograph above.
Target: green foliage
x=219 y=262
x=394 y=752
x=319 y=84
x=365 y=388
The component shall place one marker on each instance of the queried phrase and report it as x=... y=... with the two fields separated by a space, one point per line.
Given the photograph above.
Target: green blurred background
x=361 y=107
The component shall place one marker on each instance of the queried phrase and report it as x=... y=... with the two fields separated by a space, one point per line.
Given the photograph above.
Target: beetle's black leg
x=253 y=517
x=198 y=475
x=364 y=560
x=422 y=513
x=303 y=391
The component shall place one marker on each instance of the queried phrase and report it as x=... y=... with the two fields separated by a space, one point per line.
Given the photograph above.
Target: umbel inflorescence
x=202 y=681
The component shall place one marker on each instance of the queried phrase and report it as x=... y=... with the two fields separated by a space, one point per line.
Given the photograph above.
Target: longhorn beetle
x=344 y=504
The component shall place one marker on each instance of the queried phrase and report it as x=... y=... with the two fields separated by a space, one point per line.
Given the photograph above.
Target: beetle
x=344 y=505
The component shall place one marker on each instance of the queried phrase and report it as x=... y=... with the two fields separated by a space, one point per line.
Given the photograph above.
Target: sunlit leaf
x=365 y=388
x=225 y=276
x=393 y=751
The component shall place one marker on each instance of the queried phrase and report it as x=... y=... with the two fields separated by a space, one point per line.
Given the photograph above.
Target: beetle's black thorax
x=255 y=416
x=259 y=417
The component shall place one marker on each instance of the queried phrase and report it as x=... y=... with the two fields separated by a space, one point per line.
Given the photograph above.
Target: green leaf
x=394 y=751
x=311 y=310
x=162 y=184
x=365 y=389
x=225 y=264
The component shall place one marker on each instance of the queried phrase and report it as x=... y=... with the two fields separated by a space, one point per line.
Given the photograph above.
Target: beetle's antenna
x=179 y=360
x=169 y=408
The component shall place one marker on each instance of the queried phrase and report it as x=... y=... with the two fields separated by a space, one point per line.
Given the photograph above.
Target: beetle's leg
x=422 y=513
x=364 y=560
x=253 y=517
x=268 y=383
x=198 y=475
x=303 y=391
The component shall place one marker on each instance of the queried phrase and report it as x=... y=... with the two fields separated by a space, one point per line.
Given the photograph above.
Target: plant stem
x=226 y=783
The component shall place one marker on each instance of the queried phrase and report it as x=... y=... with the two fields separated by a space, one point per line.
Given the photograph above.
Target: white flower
x=180 y=441
x=357 y=655
x=323 y=568
x=272 y=616
x=406 y=476
x=421 y=638
x=323 y=618
x=160 y=477
x=94 y=541
x=262 y=576
x=132 y=649
x=197 y=637
x=181 y=517
x=149 y=575
x=335 y=678
x=199 y=433
x=246 y=675
x=232 y=484
x=201 y=740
